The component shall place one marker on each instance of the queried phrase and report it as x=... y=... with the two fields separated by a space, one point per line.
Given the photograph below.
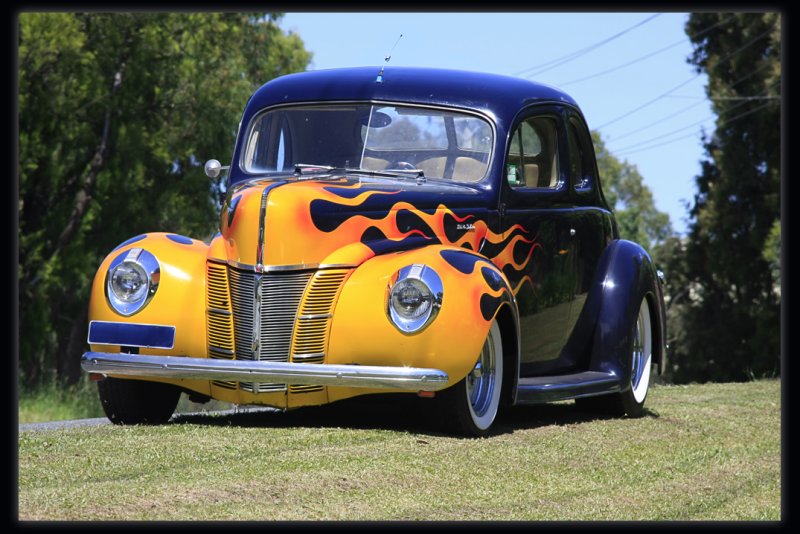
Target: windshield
x=441 y=144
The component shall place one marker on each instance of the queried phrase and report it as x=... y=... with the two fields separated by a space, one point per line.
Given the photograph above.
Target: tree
x=631 y=200
x=117 y=112
x=730 y=313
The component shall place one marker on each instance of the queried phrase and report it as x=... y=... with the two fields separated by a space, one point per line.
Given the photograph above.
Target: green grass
x=54 y=402
x=702 y=452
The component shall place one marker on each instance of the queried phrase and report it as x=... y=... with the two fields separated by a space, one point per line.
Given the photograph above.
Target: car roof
x=498 y=95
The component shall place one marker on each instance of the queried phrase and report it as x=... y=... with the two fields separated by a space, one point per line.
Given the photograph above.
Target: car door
x=535 y=211
x=591 y=226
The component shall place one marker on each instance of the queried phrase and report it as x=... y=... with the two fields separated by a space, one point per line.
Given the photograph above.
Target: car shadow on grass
x=395 y=412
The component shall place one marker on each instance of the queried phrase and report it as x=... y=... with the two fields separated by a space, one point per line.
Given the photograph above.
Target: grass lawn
x=702 y=452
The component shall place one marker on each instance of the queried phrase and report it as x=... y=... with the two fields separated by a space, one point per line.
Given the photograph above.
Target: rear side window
x=581 y=165
x=532 y=160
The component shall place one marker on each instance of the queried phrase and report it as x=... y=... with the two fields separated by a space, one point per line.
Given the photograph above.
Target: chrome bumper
x=367 y=376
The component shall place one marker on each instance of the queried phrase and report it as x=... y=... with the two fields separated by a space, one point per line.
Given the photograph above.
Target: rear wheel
x=631 y=401
x=470 y=407
x=133 y=402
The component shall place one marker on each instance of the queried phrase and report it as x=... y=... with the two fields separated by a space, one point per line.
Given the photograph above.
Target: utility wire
x=647 y=141
x=646 y=56
x=659 y=97
x=657 y=122
x=777 y=97
x=544 y=67
x=723 y=123
x=676 y=113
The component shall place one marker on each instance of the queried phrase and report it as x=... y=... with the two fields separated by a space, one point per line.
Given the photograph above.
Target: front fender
x=625 y=276
x=474 y=289
x=179 y=301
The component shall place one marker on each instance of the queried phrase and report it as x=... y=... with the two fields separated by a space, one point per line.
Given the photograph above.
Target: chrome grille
x=269 y=301
x=279 y=317
x=280 y=298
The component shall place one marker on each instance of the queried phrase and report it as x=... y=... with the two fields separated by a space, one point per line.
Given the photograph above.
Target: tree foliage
x=631 y=200
x=117 y=112
x=728 y=321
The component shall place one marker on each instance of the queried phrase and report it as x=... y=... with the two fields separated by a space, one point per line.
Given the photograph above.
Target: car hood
x=304 y=222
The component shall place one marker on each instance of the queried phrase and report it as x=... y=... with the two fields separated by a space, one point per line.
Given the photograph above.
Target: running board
x=543 y=389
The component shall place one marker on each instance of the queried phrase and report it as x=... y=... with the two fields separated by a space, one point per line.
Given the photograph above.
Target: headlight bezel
x=423 y=277
x=147 y=263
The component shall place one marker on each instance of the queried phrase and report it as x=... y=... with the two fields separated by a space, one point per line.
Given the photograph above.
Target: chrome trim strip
x=295 y=267
x=283 y=268
x=369 y=376
x=262 y=222
x=315 y=316
x=323 y=266
x=256 y=334
x=308 y=356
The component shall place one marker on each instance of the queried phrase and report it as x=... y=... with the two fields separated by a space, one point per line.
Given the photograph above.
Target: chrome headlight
x=415 y=298
x=132 y=280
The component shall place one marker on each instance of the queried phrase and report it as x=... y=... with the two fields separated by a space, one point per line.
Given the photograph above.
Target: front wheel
x=134 y=402
x=470 y=406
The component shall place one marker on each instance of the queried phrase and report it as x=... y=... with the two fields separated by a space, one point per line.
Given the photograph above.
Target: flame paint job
x=324 y=218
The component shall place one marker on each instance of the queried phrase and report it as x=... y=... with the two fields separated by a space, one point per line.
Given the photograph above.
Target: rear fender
x=624 y=277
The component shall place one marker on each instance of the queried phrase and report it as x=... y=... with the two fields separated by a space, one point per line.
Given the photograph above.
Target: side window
x=532 y=160
x=580 y=166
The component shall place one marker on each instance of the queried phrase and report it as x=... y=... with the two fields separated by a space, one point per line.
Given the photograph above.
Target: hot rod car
x=436 y=232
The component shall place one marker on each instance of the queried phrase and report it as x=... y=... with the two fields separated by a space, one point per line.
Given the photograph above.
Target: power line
x=657 y=122
x=723 y=123
x=646 y=56
x=544 y=67
x=777 y=97
x=659 y=97
x=674 y=114
x=740 y=104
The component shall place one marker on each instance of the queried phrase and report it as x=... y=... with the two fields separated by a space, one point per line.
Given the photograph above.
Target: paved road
x=62 y=425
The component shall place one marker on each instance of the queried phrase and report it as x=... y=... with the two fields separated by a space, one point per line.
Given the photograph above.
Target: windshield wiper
x=301 y=169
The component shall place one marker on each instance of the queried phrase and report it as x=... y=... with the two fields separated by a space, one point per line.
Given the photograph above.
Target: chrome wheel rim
x=483 y=382
x=641 y=353
x=480 y=381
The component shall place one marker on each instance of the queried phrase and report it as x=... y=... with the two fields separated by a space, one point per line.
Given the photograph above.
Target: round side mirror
x=213 y=168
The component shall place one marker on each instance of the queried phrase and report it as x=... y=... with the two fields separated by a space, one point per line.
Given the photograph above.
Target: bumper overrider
x=368 y=376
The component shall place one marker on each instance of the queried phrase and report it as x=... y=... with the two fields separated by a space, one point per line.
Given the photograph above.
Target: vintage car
x=435 y=232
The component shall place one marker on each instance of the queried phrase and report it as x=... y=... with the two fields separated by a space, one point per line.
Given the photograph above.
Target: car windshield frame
x=358 y=138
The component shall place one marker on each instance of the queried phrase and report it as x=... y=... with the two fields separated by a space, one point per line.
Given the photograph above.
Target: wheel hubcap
x=481 y=380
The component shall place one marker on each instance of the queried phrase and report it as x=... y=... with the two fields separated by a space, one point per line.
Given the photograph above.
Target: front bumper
x=368 y=376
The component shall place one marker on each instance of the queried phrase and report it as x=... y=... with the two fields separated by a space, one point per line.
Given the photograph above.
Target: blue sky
x=647 y=102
